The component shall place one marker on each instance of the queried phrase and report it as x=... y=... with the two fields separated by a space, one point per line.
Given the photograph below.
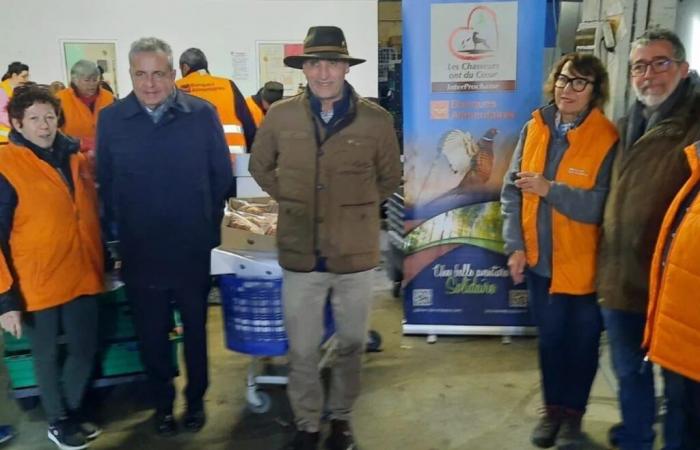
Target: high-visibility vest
x=574 y=244
x=255 y=110
x=80 y=122
x=5 y=129
x=219 y=92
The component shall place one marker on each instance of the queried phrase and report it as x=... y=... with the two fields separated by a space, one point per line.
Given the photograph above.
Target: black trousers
x=153 y=317
x=61 y=387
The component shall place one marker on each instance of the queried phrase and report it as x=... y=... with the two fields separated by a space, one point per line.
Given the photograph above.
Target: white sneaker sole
x=54 y=439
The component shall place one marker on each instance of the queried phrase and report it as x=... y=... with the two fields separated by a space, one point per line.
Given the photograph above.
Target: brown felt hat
x=323 y=43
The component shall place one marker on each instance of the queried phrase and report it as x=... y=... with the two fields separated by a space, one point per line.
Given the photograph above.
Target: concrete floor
x=460 y=393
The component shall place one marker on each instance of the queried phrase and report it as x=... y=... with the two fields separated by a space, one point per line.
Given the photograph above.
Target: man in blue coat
x=163 y=171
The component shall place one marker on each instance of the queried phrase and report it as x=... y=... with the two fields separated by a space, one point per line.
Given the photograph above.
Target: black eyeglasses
x=659 y=65
x=577 y=84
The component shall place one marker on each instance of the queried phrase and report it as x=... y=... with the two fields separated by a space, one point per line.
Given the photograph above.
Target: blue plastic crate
x=253 y=316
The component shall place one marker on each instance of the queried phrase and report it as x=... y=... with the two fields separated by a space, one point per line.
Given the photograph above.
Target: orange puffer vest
x=55 y=241
x=672 y=332
x=574 y=244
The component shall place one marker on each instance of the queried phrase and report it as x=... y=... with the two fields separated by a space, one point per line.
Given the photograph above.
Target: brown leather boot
x=545 y=432
x=570 y=436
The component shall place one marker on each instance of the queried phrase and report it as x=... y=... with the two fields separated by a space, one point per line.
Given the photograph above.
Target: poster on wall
x=271 y=63
x=472 y=74
x=101 y=52
x=239 y=65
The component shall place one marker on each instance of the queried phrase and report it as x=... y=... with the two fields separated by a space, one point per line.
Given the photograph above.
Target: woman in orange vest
x=51 y=260
x=552 y=203
x=82 y=102
x=672 y=334
x=17 y=74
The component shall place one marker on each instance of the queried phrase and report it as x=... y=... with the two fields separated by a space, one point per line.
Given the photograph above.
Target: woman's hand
x=533 y=183
x=11 y=322
x=516 y=265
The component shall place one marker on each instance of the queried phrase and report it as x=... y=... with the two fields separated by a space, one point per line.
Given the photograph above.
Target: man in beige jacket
x=330 y=158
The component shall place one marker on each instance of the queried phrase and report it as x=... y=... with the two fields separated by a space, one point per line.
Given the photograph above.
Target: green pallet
x=123 y=358
x=14 y=345
x=21 y=371
x=116 y=322
x=117 y=296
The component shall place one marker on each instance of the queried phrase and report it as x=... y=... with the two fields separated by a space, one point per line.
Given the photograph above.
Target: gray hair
x=661 y=34
x=83 y=69
x=195 y=58
x=151 y=45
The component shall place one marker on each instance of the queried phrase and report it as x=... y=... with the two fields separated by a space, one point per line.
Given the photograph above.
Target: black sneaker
x=66 y=435
x=303 y=441
x=341 y=437
x=194 y=420
x=165 y=424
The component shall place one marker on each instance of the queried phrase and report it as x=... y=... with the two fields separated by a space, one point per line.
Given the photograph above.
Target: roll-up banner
x=472 y=75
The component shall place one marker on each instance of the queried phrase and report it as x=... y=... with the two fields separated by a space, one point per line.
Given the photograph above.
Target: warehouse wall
x=32 y=30
x=688 y=28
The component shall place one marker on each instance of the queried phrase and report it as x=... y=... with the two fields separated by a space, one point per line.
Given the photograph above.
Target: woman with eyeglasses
x=51 y=261
x=552 y=203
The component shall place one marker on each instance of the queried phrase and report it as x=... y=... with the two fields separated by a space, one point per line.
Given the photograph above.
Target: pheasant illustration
x=480 y=163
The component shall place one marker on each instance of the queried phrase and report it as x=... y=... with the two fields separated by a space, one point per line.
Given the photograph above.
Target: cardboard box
x=234 y=239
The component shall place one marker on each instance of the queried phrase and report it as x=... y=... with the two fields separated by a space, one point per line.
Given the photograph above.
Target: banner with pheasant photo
x=472 y=75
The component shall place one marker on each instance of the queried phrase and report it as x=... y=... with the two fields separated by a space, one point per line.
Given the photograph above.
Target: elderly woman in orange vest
x=82 y=103
x=672 y=334
x=51 y=260
x=552 y=202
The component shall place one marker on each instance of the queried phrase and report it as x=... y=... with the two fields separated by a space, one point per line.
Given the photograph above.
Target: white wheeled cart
x=251 y=298
x=250 y=284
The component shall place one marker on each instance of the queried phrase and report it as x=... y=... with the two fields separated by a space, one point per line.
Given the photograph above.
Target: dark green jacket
x=647 y=173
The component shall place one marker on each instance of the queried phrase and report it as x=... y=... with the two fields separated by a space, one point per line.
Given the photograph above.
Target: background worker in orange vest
x=81 y=103
x=259 y=103
x=553 y=197
x=672 y=334
x=238 y=123
x=17 y=74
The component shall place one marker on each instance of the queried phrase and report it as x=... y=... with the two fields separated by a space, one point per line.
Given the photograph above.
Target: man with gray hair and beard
x=649 y=169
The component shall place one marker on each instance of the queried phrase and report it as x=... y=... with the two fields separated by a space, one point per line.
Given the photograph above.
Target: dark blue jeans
x=682 y=423
x=569 y=336
x=635 y=379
